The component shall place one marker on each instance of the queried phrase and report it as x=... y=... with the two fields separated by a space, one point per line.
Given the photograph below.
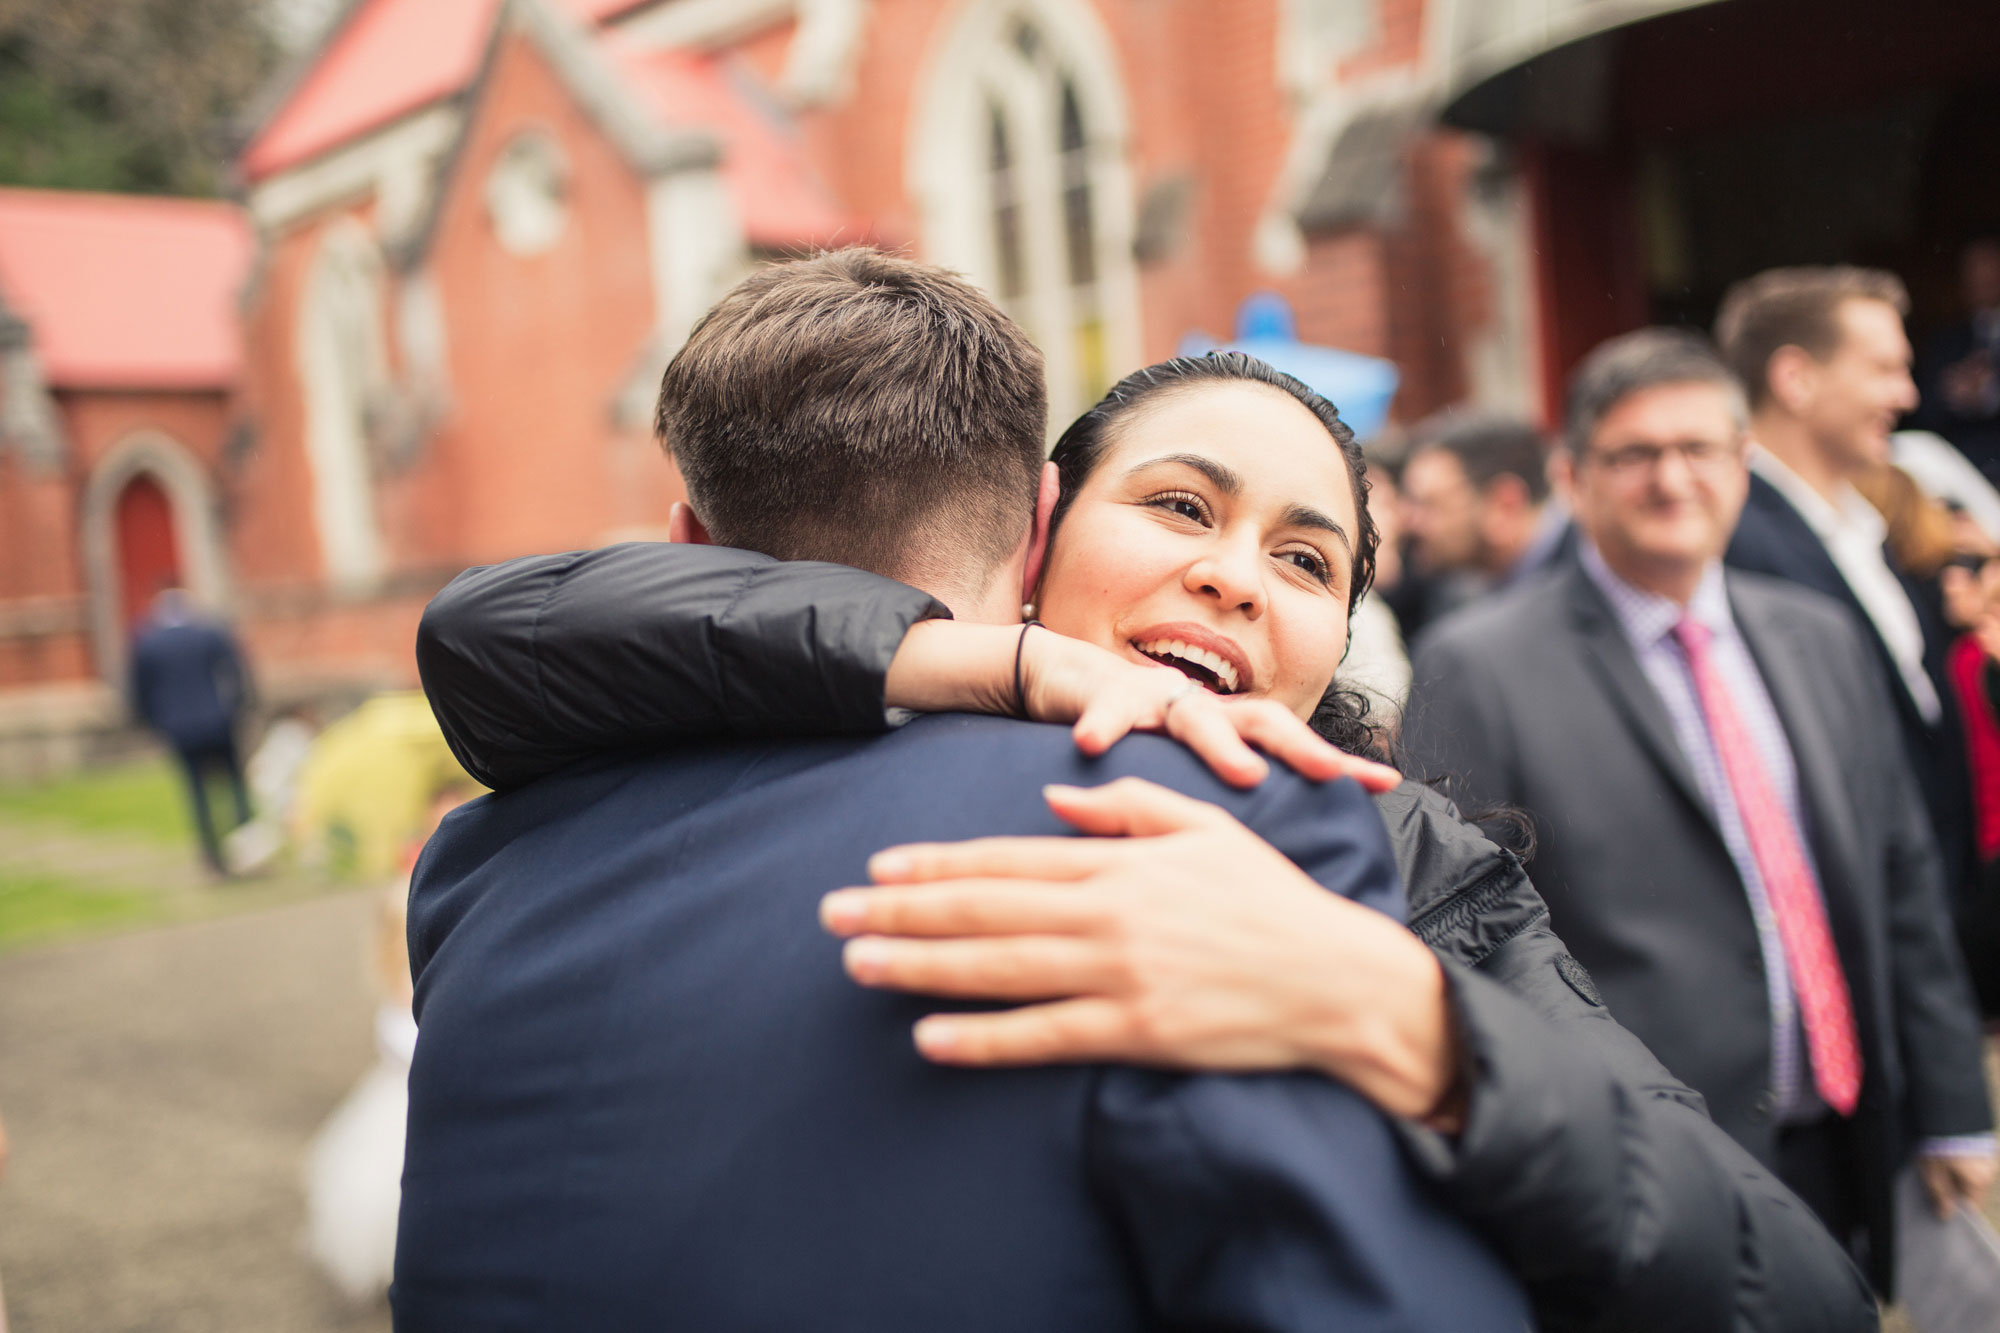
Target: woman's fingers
x=1198 y=721
x=1014 y=967
x=960 y=907
x=1110 y=717
x=1283 y=735
x=1131 y=807
x=995 y=858
x=1061 y=1031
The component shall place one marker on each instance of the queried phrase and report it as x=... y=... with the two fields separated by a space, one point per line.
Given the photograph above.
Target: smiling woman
x=1212 y=518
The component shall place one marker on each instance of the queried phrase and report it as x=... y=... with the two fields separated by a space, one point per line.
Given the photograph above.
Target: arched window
x=1019 y=166
x=343 y=365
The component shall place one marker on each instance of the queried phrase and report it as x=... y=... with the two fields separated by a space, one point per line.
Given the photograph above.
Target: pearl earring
x=1027 y=611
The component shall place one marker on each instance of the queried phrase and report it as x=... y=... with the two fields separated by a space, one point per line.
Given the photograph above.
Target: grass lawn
x=139 y=804
x=141 y=799
x=36 y=905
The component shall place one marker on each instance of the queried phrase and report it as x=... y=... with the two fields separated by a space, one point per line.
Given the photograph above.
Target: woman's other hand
x=945 y=665
x=1180 y=939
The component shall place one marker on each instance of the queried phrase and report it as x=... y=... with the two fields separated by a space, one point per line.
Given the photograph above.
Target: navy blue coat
x=188 y=683
x=647 y=1096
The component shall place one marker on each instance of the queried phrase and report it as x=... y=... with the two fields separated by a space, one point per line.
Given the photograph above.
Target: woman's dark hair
x=1342 y=714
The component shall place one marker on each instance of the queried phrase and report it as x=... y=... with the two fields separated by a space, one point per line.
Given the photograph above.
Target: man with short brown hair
x=1826 y=364
x=801 y=417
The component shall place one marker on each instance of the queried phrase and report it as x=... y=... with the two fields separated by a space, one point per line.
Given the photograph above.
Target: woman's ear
x=1038 y=536
x=685 y=527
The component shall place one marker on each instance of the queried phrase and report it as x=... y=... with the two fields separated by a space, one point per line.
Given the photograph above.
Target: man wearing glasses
x=1730 y=839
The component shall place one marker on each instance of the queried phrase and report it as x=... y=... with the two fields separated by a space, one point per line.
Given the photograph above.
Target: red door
x=1591 y=281
x=148 y=554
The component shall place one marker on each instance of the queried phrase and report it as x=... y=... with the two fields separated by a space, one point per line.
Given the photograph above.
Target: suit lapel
x=1609 y=654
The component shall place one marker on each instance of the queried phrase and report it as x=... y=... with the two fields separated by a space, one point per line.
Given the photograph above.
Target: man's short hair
x=1642 y=359
x=1794 y=307
x=1488 y=446
x=859 y=408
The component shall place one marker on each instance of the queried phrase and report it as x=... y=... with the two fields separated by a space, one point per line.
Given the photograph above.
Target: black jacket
x=1773 y=538
x=1597 y=1176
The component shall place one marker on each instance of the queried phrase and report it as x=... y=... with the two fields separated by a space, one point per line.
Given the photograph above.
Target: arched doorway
x=148 y=549
x=148 y=514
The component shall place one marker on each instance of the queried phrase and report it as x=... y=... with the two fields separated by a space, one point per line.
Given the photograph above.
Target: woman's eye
x=1309 y=562
x=1182 y=503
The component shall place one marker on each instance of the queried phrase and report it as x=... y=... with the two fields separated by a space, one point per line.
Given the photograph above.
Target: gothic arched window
x=1026 y=93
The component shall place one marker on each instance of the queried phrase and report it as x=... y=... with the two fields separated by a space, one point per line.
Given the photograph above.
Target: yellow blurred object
x=367 y=790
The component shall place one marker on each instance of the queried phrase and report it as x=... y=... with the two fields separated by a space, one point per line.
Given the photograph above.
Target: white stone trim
x=650 y=147
x=1320 y=121
x=197 y=533
x=29 y=422
x=697 y=250
x=383 y=163
x=819 y=68
x=703 y=23
x=947 y=176
x=341 y=381
x=1315 y=35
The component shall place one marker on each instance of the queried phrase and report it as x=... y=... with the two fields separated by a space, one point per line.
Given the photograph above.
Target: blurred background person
x=1825 y=361
x=1948 y=477
x=189 y=684
x=275 y=770
x=1728 y=838
x=1378 y=660
x=1959 y=372
x=354 y=1169
x=1478 y=512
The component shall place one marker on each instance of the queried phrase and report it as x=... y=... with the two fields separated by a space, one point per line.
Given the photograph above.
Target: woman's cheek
x=1312 y=649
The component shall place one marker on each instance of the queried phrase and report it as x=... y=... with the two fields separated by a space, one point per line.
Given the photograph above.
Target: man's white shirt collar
x=1853 y=531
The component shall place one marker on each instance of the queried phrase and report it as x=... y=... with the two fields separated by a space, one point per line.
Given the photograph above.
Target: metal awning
x=1510 y=65
x=1506 y=67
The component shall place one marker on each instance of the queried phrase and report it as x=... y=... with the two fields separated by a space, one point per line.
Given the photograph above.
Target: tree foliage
x=126 y=95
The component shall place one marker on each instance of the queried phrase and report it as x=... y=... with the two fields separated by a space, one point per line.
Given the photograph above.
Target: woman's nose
x=1233 y=576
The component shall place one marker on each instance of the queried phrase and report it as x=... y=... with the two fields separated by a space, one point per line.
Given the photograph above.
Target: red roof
x=777 y=192
x=390 y=58
x=125 y=291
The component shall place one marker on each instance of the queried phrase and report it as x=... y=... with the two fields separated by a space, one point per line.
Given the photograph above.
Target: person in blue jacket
x=190 y=685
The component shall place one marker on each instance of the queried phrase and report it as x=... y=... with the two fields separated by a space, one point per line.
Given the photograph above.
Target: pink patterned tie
x=1824 y=1004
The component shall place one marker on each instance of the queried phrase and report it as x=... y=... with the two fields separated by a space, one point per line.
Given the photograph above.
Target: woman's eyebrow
x=1305 y=516
x=1223 y=479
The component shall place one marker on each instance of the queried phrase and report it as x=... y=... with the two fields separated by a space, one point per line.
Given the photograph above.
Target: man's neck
x=1676 y=581
x=1786 y=439
x=990 y=600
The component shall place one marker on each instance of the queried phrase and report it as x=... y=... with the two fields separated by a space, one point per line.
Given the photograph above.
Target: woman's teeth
x=1182 y=655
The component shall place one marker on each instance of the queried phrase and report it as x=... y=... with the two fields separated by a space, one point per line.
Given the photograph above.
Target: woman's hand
x=944 y=665
x=1187 y=942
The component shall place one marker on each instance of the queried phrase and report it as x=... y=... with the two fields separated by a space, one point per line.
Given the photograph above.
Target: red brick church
x=471 y=232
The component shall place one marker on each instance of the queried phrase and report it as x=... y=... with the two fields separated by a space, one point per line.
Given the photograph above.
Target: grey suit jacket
x=1536 y=700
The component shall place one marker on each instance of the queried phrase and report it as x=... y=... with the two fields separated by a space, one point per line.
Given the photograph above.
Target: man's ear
x=1791 y=375
x=1038 y=536
x=685 y=527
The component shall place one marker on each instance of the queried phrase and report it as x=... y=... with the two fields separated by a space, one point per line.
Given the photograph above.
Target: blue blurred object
x=1360 y=386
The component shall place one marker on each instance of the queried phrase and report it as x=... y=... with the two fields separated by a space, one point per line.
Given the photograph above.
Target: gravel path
x=160 y=1089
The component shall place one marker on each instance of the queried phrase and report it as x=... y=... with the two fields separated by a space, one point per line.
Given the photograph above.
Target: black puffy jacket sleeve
x=1595 y=1174
x=539 y=662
